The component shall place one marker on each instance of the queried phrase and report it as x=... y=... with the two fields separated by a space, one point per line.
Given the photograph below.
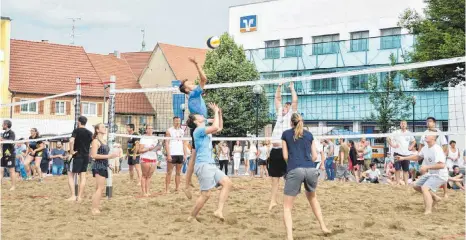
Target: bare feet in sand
x=95 y=211
x=325 y=230
x=193 y=219
x=79 y=200
x=437 y=200
x=73 y=198
x=12 y=188
x=272 y=205
x=187 y=192
x=218 y=214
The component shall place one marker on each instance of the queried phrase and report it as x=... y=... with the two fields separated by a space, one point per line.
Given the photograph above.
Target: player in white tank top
x=453 y=158
x=176 y=153
x=277 y=165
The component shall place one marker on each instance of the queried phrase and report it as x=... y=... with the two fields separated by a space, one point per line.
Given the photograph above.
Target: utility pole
x=73 y=35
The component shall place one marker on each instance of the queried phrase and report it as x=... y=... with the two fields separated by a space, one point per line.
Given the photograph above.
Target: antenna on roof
x=143 y=44
x=73 y=29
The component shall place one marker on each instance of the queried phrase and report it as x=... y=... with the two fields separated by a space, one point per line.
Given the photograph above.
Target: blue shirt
x=203 y=144
x=58 y=161
x=299 y=151
x=196 y=104
x=368 y=155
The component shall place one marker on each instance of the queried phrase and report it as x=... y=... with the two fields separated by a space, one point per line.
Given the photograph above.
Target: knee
x=425 y=189
x=206 y=195
x=227 y=182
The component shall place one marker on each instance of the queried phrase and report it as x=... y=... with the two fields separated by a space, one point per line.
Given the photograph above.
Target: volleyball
x=213 y=42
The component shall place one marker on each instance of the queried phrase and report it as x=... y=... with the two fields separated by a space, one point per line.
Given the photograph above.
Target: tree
x=439 y=34
x=228 y=64
x=389 y=100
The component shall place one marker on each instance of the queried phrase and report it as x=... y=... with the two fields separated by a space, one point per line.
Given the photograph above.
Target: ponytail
x=96 y=129
x=298 y=125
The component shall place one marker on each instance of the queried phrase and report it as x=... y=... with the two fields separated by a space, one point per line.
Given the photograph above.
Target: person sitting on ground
x=456 y=181
x=372 y=175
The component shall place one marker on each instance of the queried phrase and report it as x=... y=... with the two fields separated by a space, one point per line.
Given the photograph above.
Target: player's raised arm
x=202 y=77
x=216 y=124
x=294 y=98
x=278 y=98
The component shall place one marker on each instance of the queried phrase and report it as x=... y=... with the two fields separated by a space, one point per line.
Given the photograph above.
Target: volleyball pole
x=77 y=114
x=111 y=132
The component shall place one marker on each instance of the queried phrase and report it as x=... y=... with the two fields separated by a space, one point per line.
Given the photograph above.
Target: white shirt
x=403 y=142
x=441 y=139
x=283 y=123
x=452 y=154
x=237 y=150
x=176 y=146
x=319 y=149
x=373 y=173
x=432 y=156
x=263 y=153
x=252 y=152
x=149 y=143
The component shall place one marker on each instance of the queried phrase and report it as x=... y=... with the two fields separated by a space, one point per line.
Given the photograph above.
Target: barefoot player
x=176 y=153
x=277 y=165
x=208 y=175
x=196 y=105
x=434 y=170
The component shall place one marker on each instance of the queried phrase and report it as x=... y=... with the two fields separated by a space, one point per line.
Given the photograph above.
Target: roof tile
x=178 y=59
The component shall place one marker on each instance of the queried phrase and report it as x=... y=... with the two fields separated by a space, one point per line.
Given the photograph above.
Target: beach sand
x=352 y=211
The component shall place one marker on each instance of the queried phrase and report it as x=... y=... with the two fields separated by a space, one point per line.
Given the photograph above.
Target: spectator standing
x=453 y=156
x=329 y=153
x=367 y=155
x=58 y=156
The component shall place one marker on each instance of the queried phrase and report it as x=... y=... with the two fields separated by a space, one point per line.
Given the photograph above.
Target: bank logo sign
x=248 y=23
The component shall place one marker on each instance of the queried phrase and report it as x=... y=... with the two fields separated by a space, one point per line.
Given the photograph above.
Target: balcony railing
x=346 y=53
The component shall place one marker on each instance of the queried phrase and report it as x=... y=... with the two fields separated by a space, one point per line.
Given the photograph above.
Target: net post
x=111 y=131
x=77 y=113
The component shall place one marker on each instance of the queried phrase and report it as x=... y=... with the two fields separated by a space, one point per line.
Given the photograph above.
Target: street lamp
x=257 y=91
x=414 y=103
x=183 y=108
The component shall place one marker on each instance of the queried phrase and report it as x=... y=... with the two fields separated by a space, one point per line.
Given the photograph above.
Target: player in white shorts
x=434 y=170
x=277 y=165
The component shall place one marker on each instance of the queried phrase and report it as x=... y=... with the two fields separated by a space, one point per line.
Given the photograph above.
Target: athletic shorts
x=298 y=176
x=342 y=171
x=177 y=159
x=132 y=161
x=79 y=164
x=44 y=166
x=101 y=172
x=277 y=165
x=262 y=162
x=399 y=165
x=8 y=162
x=37 y=154
x=208 y=175
x=433 y=182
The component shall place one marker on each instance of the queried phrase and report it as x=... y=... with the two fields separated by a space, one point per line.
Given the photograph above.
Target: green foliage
x=388 y=99
x=228 y=64
x=440 y=34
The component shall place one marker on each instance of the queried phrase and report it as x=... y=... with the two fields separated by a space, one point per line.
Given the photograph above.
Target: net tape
x=399 y=67
x=43 y=139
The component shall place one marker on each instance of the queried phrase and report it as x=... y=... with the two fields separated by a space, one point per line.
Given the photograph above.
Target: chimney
x=116 y=54
x=45 y=41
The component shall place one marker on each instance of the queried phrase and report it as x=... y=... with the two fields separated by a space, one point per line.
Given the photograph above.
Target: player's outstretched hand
x=214 y=107
x=291 y=85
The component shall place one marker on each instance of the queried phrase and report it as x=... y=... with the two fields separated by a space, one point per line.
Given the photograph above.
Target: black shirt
x=34 y=145
x=82 y=141
x=353 y=155
x=9 y=148
x=132 y=143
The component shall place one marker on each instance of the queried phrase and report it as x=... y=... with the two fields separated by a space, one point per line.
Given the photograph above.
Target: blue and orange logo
x=248 y=23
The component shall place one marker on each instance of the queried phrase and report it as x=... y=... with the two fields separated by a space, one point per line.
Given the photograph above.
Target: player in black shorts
x=80 y=143
x=133 y=154
x=35 y=151
x=8 y=152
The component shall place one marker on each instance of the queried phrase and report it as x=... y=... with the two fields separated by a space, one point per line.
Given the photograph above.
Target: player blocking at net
x=208 y=174
x=277 y=165
x=196 y=105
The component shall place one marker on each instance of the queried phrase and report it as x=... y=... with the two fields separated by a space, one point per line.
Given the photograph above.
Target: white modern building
x=292 y=38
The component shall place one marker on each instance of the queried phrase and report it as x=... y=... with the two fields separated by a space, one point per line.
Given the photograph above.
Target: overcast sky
x=108 y=25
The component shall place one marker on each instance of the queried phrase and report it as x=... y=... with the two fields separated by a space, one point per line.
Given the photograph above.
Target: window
x=359 y=41
x=293 y=47
x=270 y=75
x=384 y=77
x=60 y=108
x=128 y=119
x=391 y=38
x=272 y=49
x=325 y=84
x=89 y=109
x=142 y=120
x=358 y=82
x=28 y=108
x=326 y=44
